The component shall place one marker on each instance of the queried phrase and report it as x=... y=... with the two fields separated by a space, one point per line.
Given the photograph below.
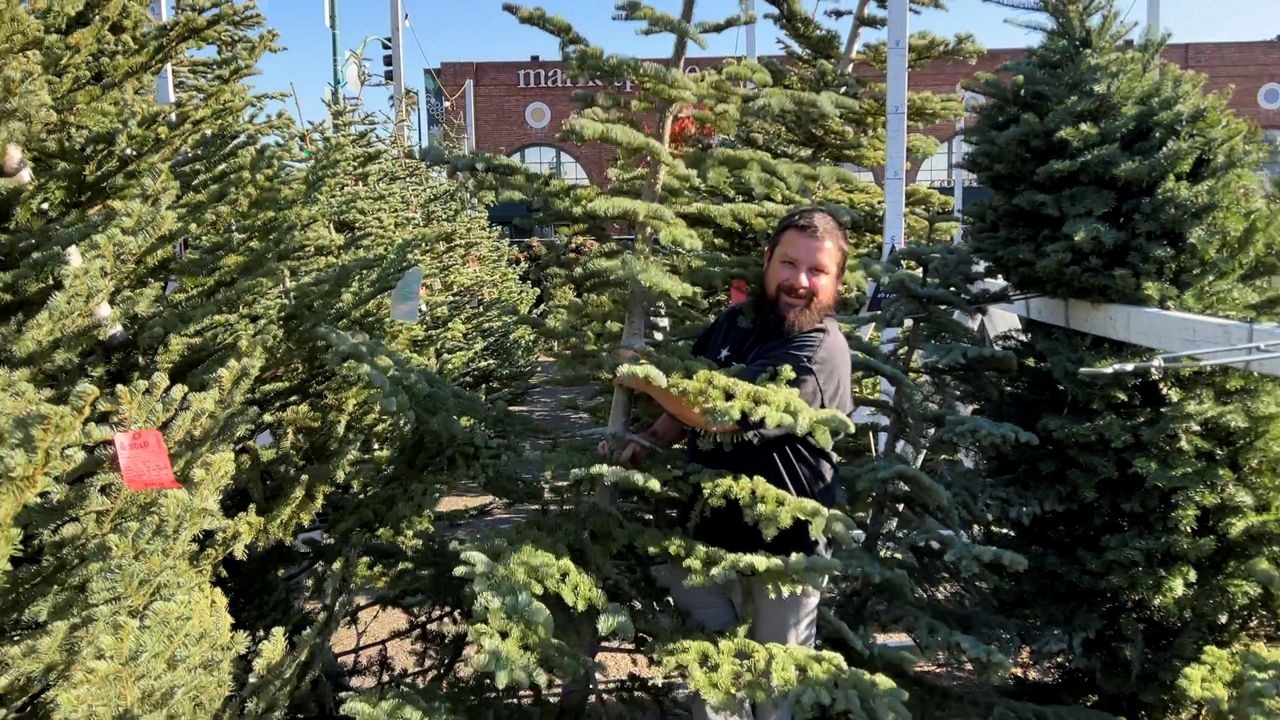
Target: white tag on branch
x=264 y=439
x=407 y=295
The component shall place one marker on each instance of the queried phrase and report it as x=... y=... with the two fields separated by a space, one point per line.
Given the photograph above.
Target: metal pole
x=749 y=6
x=1153 y=19
x=397 y=71
x=418 y=107
x=331 y=20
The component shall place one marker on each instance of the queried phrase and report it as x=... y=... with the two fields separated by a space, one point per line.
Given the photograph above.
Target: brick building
x=518 y=107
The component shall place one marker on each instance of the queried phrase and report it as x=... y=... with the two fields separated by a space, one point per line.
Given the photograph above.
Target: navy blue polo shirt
x=822 y=363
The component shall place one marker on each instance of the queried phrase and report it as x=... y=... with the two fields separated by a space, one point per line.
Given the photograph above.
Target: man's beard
x=789 y=322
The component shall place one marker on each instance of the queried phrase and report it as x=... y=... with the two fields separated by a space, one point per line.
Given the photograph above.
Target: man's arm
x=676 y=406
x=666 y=431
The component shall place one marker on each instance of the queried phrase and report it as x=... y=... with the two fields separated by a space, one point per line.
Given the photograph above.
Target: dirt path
x=554 y=410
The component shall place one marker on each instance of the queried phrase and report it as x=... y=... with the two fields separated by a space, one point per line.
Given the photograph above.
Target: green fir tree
x=1147 y=512
x=206 y=269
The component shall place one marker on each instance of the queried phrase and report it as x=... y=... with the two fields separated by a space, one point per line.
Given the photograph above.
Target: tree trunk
x=853 y=43
x=574 y=699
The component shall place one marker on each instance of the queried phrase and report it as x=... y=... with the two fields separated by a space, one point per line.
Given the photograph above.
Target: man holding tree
x=788 y=321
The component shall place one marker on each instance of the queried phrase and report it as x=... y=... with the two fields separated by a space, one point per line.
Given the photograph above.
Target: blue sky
x=477 y=30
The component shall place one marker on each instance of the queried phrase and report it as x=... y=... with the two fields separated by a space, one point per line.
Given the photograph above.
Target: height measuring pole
x=397 y=71
x=895 y=165
x=749 y=6
x=1153 y=19
x=895 y=155
x=895 y=161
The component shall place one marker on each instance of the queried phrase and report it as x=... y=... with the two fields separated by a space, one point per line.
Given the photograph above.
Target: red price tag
x=144 y=461
x=738 y=292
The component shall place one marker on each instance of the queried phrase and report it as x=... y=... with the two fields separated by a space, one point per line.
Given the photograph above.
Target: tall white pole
x=397 y=70
x=749 y=6
x=895 y=161
x=895 y=156
x=1153 y=19
x=164 y=83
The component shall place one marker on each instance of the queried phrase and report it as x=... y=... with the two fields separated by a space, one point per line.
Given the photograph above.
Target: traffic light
x=388 y=60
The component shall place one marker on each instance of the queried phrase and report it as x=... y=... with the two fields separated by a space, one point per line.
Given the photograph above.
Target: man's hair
x=817 y=222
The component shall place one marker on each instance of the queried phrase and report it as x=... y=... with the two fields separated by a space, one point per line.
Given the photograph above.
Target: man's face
x=801 y=279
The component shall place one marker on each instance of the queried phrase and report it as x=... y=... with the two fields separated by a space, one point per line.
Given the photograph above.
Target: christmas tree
x=706 y=164
x=107 y=599
x=1146 y=512
x=205 y=269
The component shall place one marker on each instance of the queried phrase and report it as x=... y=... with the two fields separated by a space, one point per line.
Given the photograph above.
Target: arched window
x=551 y=159
x=937 y=168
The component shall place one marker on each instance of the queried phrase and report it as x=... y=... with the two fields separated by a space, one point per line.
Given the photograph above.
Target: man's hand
x=665 y=432
x=632 y=382
x=633 y=448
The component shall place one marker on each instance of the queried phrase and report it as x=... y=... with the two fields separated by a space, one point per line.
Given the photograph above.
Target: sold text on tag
x=144 y=461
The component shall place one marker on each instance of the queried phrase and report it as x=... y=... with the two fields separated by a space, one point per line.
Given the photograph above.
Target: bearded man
x=788 y=321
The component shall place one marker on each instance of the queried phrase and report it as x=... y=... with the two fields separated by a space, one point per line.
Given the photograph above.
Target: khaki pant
x=791 y=620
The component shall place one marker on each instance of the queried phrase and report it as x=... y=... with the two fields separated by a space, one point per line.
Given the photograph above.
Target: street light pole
x=419 y=98
x=331 y=22
x=397 y=70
